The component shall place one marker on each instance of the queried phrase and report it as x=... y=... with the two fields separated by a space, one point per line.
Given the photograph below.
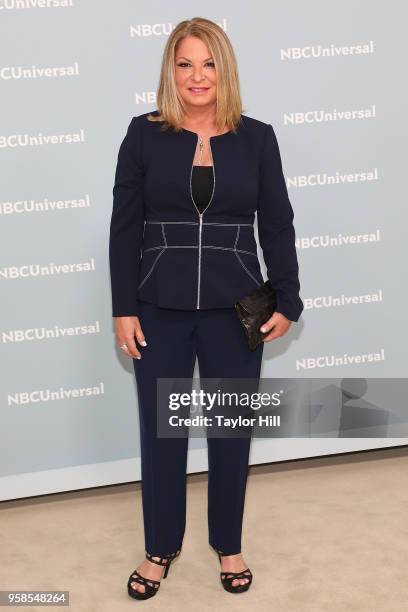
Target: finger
x=128 y=346
x=272 y=335
x=128 y=353
x=268 y=326
x=132 y=348
x=140 y=336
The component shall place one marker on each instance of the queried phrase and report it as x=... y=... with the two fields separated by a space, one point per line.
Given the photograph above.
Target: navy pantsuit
x=175 y=339
x=180 y=270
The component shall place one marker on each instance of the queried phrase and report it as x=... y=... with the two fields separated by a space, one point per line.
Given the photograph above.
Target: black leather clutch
x=255 y=309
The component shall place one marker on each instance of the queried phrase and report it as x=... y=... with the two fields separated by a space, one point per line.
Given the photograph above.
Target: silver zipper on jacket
x=200 y=217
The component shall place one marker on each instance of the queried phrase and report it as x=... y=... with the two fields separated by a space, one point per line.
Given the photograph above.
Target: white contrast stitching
x=246 y=269
x=151 y=269
x=162 y=248
x=237 y=237
x=240 y=260
x=164 y=235
x=172 y=246
x=167 y=222
x=234 y=224
x=230 y=249
x=194 y=246
x=204 y=223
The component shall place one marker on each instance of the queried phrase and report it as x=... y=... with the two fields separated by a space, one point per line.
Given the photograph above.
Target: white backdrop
x=328 y=76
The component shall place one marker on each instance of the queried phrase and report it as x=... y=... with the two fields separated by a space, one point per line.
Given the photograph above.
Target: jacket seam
x=240 y=260
x=230 y=249
x=246 y=269
x=152 y=268
x=195 y=246
x=203 y=223
x=163 y=247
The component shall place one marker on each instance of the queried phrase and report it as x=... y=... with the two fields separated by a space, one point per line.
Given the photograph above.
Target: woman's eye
x=183 y=64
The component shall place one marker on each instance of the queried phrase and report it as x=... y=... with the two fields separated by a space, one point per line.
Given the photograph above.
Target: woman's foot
x=234 y=563
x=149 y=570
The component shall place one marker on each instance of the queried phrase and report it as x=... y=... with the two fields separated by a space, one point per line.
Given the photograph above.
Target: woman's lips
x=198 y=90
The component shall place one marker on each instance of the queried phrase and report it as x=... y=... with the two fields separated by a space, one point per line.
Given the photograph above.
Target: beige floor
x=320 y=535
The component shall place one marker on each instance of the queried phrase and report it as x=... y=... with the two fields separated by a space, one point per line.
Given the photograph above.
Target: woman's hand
x=279 y=325
x=126 y=328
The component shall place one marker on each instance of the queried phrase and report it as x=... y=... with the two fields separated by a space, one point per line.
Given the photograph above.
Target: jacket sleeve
x=127 y=224
x=276 y=231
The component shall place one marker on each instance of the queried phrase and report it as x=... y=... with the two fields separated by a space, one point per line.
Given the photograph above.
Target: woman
x=189 y=178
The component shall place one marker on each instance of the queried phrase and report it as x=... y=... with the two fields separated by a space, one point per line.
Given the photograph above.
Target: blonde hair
x=229 y=104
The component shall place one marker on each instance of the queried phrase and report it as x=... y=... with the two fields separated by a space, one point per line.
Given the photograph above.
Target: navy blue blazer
x=162 y=250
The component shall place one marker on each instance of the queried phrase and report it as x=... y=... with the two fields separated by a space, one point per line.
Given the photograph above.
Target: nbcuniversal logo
x=51 y=269
x=144 y=30
x=21 y=5
x=51 y=333
x=319 y=51
x=19 y=207
x=22 y=398
x=336 y=361
x=40 y=139
x=327 y=240
x=329 y=116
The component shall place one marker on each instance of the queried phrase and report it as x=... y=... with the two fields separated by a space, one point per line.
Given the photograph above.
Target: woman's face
x=195 y=75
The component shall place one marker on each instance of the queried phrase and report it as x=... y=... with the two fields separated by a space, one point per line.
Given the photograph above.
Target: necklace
x=201 y=146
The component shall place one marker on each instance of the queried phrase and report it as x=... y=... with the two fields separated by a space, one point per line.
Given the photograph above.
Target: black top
x=202 y=186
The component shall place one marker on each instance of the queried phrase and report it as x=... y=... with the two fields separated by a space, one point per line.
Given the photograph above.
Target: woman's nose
x=197 y=75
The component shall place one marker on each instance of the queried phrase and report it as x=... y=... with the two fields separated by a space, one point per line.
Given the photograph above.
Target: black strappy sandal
x=227 y=578
x=151 y=586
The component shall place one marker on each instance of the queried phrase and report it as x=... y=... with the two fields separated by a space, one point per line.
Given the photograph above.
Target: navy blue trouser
x=174 y=339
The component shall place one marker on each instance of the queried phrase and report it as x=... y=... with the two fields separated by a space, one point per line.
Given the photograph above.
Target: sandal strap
x=142 y=579
x=162 y=560
x=237 y=574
